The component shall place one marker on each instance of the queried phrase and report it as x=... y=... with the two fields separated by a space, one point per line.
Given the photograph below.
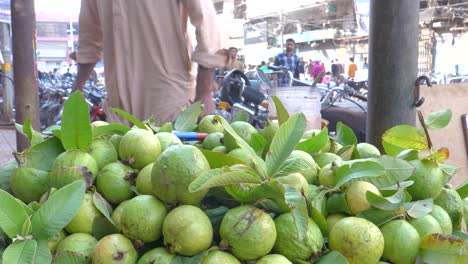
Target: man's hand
x=204 y=89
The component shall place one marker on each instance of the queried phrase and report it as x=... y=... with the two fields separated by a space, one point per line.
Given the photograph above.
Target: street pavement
x=7 y=144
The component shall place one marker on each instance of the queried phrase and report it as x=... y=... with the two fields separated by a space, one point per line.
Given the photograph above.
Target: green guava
x=357 y=239
x=139 y=147
x=451 y=202
x=332 y=219
x=79 y=244
x=323 y=159
x=117 y=214
x=249 y=232
x=187 y=230
x=209 y=124
x=311 y=173
x=70 y=166
x=273 y=259
x=356 y=196
x=402 y=241
x=428 y=180
x=115 y=140
x=84 y=220
x=143 y=180
x=114 y=182
x=442 y=218
x=335 y=146
x=219 y=257
x=142 y=218
x=367 y=151
x=173 y=172
x=241 y=155
x=243 y=129
x=28 y=184
x=167 y=139
x=326 y=176
x=426 y=225
x=114 y=249
x=54 y=242
x=103 y=151
x=213 y=140
x=296 y=180
x=221 y=149
x=287 y=242
x=157 y=256
x=270 y=129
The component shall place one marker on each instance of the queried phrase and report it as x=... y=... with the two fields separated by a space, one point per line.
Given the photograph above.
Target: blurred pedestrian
x=233 y=62
x=352 y=68
x=289 y=60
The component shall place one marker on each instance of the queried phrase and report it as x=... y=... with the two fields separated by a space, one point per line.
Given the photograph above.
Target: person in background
x=309 y=69
x=326 y=78
x=317 y=69
x=289 y=60
x=352 y=68
x=233 y=62
x=148 y=56
x=300 y=68
x=263 y=66
x=365 y=65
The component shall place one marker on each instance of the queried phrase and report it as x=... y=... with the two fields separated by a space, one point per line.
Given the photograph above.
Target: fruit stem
x=426 y=131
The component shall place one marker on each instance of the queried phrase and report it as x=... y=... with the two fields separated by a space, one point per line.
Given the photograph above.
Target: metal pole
x=8 y=89
x=393 y=65
x=23 y=22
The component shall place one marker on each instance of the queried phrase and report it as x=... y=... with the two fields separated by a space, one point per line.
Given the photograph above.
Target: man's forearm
x=204 y=81
x=84 y=71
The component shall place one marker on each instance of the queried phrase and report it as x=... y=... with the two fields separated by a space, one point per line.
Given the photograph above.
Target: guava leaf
x=333 y=257
x=357 y=170
x=103 y=206
x=227 y=177
x=131 y=118
x=319 y=219
x=5 y=173
x=337 y=203
x=258 y=142
x=462 y=190
x=392 y=150
x=299 y=212
x=42 y=155
x=239 y=116
x=448 y=170
x=186 y=121
x=462 y=235
x=315 y=143
x=58 y=210
x=76 y=128
x=21 y=251
x=258 y=192
x=396 y=187
x=57 y=133
x=345 y=135
x=438 y=248
x=43 y=253
x=406 y=137
x=110 y=129
x=260 y=165
x=439 y=119
x=281 y=111
x=291 y=166
x=166 y=127
x=34 y=137
x=387 y=203
x=397 y=170
x=219 y=160
x=346 y=152
x=408 y=155
x=190 y=260
x=419 y=208
x=12 y=215
x=284 y=142
x=319 y=202
x=216 y=214
x=440 y=155
x=379 y=216
x=68 y=257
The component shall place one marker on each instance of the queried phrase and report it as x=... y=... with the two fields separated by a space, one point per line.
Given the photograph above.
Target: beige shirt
x=148 y=57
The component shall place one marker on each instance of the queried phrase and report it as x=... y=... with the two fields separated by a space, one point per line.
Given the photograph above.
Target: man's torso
x=291 y=63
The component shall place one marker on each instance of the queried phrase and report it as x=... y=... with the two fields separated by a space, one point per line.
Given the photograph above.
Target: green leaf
x=406 y=137
x=21 y=252
x=460 y=234
x=42 y=155
x=345 y=135
x=333 y=257
x=129 y=117
x=255 y=193
x=228 y=176
x=319 y=219
x=387 y=203
x=103 y=206
x=357 y=170
x=392 y=150
x=284 y=142
x=281 y=111
x=379 y=216
x=43 y=253
x=76 y=129
x=292 y=165
x=314 y=144
x=346 y=152
x=34 y=137
x=12 y=215
x=396 y=187
x=408 y=155
x=258 y=142
x=439 y=119
x=219 y=160
x=5 y=173
x=186 y=121
x=110 y=129
x=462 y=190
x=58 y=210
x=419 y=208
x=166 y=127
x=397 y=170
x=440 y=155
x=437 y=248
x=448 y=170
x=239 y=116
x=260 y=165
x=299 y=212
x=337 y=203
x=27 y=129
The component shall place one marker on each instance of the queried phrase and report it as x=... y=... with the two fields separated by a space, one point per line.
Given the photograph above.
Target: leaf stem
x=426 y=131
